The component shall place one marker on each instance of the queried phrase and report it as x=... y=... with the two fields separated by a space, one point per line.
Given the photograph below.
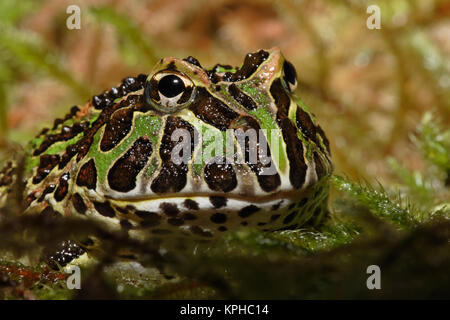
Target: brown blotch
x=220 y=177
x=63 y=187
x=248 y=211
x=105 y=209
x=274 y=217
x=87 y=176
x=251 y=63
x=267 y=182
x=320 y=168
x=78 y=203
x=294 y=146
x=218 y=217
x=122 y=176
x=242 y=98
x=211 y=110
x=117 y=128
x=305 y=124
x=276 y=206
x=324 y=138
x=191 y=204
x=46 y=165
x=218 y=201
x=150 y=219
x=6 y=175
x=169 y=209
x=66 y=134
x=290 y=217
x=172 y=177
x=49 y=189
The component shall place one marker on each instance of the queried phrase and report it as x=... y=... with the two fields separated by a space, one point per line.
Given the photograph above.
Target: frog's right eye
x=289 y=76
x=169 y=91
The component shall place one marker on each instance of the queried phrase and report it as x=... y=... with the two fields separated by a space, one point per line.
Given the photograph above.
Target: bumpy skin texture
x=110 y=160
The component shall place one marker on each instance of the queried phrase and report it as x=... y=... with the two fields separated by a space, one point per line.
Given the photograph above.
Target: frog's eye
x=169 y=91
x=289 y=76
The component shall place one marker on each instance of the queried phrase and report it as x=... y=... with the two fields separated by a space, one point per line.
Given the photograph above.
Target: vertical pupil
x=171 y=86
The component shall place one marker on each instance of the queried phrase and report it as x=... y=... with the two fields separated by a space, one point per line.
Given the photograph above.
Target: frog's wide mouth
x=266 y=198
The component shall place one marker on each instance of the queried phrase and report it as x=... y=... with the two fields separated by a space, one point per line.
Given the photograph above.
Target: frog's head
x=174 y=83
x=187 y=111
x=189 y=138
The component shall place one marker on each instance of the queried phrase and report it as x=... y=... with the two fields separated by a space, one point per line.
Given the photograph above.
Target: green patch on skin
x=143 y=125
x=207 y=151
x=152 y=167
x=32 y=162
x=306 y=109
x=220 y=69
x=273 y=133
x=252 y=88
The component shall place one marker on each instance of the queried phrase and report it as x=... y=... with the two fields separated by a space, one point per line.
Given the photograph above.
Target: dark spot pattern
x=251 y=63
x=66 y=134
x=275 y=217
x=211 y=110
x=78 y=203
x=220 y=176
x=218 y=201
x=290 y=217
x=6 y=174
x=127 y=86
x=242 y=98
x=193 y=61
x=150 y=219
x=63 y=187
x=218 y=217
x=104 y=208
x=305 y=124
x=87 y=176
x=169 y=209
x=277 y=205
x=117 y=128
x=324 y=138
x=123 y=174
x=294 y=147
x=248 y=211
x=172 y=177
x=320 y=168
x=49 y=189
x=191 y=204
x=66 y=252
x=269 y=181
x=46 y=165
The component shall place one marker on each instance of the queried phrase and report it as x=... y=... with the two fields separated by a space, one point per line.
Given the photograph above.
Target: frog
x=112 y=160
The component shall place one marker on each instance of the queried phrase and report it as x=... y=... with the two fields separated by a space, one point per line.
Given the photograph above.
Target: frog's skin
x=109 y=160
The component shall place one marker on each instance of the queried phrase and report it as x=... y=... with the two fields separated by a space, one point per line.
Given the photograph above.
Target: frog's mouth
x=231 y=196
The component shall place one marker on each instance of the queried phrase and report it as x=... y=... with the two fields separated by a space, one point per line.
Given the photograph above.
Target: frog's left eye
x=169 y=91
x=289 y=76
